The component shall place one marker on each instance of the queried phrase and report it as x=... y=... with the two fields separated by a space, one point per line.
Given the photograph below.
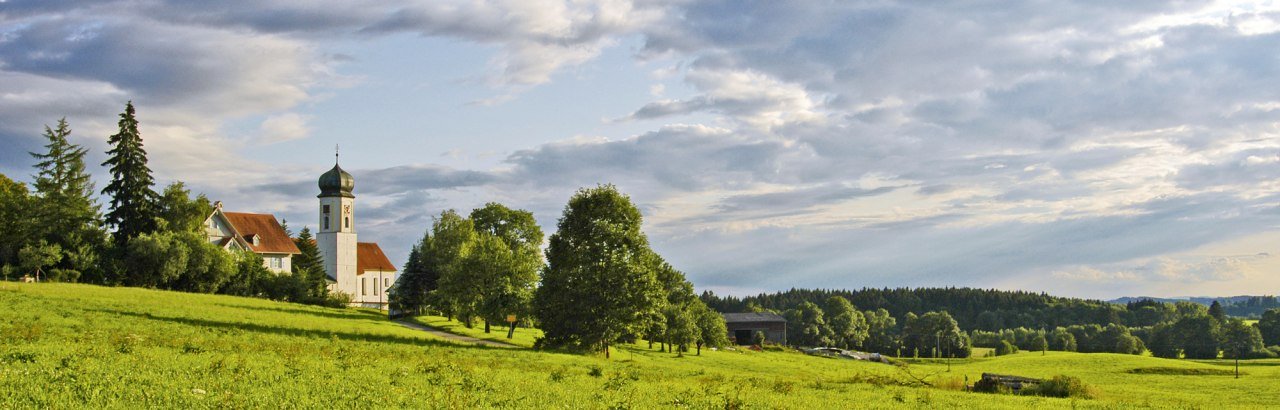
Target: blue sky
x=1078 y=148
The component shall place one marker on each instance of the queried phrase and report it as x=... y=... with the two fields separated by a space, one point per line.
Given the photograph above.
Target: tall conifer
x=133 y=202
x=65 y=213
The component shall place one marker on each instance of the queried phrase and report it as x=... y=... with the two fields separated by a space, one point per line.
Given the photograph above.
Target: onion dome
x=337 y=182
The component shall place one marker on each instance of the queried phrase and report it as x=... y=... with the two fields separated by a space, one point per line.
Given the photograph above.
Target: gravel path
x=450 y=336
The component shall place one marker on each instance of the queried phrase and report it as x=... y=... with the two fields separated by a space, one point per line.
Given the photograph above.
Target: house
x=742 y=326
x=358 y=269
x=257 y=233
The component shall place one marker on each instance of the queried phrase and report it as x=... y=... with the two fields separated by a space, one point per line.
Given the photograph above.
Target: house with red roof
x=257 y=233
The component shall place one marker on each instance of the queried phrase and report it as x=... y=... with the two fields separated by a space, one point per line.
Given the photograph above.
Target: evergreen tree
x=133 y=201
x=65 y=211
x=410 y=292
x=308 y=266
x=599 y=286
x=1217 y=312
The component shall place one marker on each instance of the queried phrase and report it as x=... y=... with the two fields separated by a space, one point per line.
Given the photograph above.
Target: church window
x=324 y=209
x=326 y=222
x=346 y=222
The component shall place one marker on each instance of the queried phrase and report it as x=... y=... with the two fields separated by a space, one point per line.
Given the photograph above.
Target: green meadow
x=77 y=346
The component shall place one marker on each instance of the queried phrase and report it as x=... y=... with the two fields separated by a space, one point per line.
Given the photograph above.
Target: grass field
x=75 y=346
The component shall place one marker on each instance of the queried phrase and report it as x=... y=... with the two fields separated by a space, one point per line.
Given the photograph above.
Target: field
x=71 y=346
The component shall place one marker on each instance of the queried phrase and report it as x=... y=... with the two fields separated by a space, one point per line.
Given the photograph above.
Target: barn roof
x=271 y=237
x=370 y=257
x=752 y=317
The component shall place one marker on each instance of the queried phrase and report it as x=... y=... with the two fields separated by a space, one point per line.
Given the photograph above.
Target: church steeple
x=336 y=182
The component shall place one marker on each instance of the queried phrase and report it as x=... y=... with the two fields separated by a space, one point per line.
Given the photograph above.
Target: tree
x=1039 y=342
x=15 y=219
x=682 y=328
x=155 y=259
x=1240 y=340
x=410 y=292
x=208 y=266
x=1198 y=336
x=599 y=285
x=1269 y=327
x=937 y=334
x=133 y=202
x=179 y=212
x=880 y=331
x=1217 y=312
x=453 y=238
x=309 y=267
x=848 y=326
x=37 y=256
x=1164 y=342
x=65 y=212
x=807 y=324
x=711 y=328
x=251 y=278
x=511 y=287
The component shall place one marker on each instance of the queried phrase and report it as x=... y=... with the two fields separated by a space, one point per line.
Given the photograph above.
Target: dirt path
x=451 y=336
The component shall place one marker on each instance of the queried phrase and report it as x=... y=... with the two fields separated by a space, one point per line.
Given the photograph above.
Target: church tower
x=336 y=237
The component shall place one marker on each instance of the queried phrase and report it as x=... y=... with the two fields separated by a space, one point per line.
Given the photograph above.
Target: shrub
x=1005 y=348
x=1061 y=386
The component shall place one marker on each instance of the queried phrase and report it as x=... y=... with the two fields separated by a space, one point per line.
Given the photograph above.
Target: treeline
x=983 y=309
x=838 y=323
x=1190 y=331
x=56 y=230
x=599 y=284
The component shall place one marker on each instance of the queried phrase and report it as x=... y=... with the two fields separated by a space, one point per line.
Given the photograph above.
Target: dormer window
x=254 y=239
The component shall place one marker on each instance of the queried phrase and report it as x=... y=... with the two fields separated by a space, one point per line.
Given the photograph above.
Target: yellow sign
x=511 y=318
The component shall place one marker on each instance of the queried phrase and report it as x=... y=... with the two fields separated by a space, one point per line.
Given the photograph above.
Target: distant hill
x=1238 y=306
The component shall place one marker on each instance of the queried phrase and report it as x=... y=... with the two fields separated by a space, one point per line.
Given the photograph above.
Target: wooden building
x=742 y=326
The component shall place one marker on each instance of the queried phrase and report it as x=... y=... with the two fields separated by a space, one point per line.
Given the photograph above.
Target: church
x=358 y=269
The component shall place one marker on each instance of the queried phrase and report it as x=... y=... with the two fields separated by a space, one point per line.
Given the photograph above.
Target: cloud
x=283 y=127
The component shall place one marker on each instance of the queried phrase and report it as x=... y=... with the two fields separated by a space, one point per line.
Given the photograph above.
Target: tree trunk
x=650 y=344
x=512 y=330
x=606 y=350
x=486 y=326
x=699 y=348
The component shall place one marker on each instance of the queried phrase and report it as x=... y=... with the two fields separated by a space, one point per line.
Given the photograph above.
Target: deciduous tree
x=599 y=285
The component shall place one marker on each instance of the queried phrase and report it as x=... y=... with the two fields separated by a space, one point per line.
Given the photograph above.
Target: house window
x=276 y=263
x=386 y=282
x=364 y=286
x=375 y=287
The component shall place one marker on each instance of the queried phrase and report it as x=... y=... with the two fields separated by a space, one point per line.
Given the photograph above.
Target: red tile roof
x=271 y=237
x=370 y=257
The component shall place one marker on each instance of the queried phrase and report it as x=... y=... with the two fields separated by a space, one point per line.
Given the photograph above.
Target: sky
x=1080 y=148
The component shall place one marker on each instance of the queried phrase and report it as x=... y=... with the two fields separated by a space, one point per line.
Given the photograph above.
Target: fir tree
x=308 y=265
x=133 y=202
x=65 y=212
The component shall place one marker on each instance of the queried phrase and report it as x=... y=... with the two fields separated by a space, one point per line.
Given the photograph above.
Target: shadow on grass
x=286 y=331
x=355 y=314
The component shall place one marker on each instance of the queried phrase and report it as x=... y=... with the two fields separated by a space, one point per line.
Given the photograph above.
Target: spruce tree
x=65 y=213
x=308 y=265
x=133 y=202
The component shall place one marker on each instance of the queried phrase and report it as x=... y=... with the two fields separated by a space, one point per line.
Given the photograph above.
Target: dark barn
x=742 y=326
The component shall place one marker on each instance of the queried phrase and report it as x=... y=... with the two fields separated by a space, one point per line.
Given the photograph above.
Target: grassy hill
x=65 y=345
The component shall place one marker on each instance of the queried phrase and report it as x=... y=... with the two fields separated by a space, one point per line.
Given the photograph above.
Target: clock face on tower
x=346 y=210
